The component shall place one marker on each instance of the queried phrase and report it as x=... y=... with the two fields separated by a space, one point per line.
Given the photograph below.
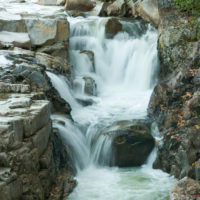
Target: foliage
x=190 y=6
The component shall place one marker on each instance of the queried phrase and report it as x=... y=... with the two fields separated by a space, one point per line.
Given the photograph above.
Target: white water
x=124 y=71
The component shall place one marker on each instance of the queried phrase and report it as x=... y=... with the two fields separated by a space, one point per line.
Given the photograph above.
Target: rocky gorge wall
x=175 y=103
x=34 y=163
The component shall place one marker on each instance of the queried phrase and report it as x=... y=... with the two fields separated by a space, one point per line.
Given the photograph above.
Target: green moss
x=189 y=6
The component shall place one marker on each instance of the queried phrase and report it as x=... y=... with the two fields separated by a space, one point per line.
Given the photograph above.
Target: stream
x=121 y=79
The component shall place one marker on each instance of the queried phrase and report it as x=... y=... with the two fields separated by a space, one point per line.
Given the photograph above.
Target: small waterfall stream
x=122 y=77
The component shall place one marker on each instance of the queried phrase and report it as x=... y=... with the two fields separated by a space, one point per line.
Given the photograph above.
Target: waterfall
x=115 y=79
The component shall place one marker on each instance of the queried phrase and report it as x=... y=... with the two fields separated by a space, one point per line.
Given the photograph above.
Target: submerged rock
x=132 y=142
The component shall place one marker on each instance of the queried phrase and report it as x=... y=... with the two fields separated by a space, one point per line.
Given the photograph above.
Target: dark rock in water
x=132 y=142
x=80 y=5
x=85 y=101
x=113 y=26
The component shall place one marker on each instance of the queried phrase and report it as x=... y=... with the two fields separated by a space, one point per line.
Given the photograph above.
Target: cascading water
x=123 y=73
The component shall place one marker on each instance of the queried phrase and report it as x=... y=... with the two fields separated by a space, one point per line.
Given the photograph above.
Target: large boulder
x=80 y=5
x=132 y=142
x=148 y=10
x=113 y=26
x=48 y=31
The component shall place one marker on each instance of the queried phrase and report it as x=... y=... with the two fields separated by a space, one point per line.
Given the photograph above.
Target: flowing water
x=124 y=72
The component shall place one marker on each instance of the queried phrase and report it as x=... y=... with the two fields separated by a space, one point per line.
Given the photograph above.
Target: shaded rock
x=113 y=26
x=38 y=79
x=11 y=191
x=103 y=11
x=41 y=138
x=80 y=5
x=132 y=142
x=186 y=189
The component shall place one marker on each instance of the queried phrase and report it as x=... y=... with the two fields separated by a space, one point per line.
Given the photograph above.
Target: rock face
x=113 y=26
x=34 y=163
x=79 y=5
x=175 y=100
x=186 y=189
x=132 y=143
x=28 y=166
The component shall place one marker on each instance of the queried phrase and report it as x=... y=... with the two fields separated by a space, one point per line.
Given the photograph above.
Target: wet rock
x=90 y=55
x=85 y=101
x=132 y=142
x=80 y=5
x=90 y=86
x=186 y=189
x=38 y=79
x=113 y=26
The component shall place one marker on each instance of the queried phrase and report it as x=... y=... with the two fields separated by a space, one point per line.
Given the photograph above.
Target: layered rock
x=175 y=100
x=34 y=163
